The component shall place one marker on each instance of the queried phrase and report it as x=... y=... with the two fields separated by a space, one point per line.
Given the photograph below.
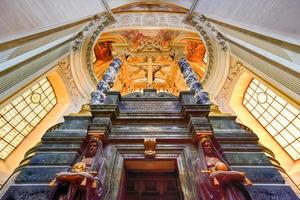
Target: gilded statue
x=215 y=180
x=86 y=178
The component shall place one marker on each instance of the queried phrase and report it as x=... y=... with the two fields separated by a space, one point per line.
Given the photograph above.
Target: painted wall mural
x=149 y=63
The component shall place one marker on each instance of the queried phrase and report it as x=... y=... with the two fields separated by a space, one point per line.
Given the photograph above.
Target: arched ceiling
x=22 y=21
x=262 y=16
x=277 y=19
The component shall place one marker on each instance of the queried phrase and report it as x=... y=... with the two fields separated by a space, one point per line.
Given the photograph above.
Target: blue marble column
x=201 y=97
x=98 y=96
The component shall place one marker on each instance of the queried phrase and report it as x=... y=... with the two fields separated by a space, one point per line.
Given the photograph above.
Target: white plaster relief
x=65 y=68
x=149 y=19
x=224 y=95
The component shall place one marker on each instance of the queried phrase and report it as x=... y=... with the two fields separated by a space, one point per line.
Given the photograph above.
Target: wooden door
x=151 y=186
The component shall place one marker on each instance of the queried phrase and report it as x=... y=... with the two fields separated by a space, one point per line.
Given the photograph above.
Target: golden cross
x=150 y=68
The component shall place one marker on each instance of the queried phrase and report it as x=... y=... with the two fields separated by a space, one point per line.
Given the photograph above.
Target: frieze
x=149 y=95
x=249 y=158
x=200 y=22
x=149 y=19
x=150 y=106
x=61 y=158
x=135 y=129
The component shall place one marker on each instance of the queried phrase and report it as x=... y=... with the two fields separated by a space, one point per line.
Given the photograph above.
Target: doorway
x=150 y=180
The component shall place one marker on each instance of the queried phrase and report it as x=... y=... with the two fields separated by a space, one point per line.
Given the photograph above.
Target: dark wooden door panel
x=151 y=186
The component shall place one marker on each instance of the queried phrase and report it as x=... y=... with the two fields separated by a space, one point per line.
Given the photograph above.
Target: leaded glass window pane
x=23 y=114
x=280 y=119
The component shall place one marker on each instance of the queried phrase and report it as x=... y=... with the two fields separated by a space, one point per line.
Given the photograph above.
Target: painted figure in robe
x=86 y=178
x=215 y=180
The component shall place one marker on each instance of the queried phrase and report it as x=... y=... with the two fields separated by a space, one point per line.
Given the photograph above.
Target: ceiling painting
x=135 y=38
x=148 y=57
x=150 y=7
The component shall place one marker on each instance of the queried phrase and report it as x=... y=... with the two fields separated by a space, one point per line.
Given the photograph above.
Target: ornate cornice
x=202 y=25
x=149 y=19
x=200 y=21
x=99 y=21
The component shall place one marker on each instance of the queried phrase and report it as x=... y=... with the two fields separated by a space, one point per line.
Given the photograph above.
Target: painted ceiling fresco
x=137 y=37
x=148 y=63
x=150 y=7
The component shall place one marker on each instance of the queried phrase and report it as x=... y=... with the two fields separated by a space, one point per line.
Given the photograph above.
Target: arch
x=218 y=59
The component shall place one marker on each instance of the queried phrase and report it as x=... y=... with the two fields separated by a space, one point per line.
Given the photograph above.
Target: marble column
x=201 y=97
x=107 y=82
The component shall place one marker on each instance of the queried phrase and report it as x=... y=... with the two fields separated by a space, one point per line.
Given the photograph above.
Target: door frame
x=185 y=156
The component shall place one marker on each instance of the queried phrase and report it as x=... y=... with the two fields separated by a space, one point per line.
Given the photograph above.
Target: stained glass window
x=23 y=114
x=280 y=119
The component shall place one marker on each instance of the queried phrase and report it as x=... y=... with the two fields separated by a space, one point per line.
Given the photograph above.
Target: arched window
x=23 y=114
x=279 y=118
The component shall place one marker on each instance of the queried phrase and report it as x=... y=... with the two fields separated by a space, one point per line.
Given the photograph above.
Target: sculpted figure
x=86 y=178
x=215 y=181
